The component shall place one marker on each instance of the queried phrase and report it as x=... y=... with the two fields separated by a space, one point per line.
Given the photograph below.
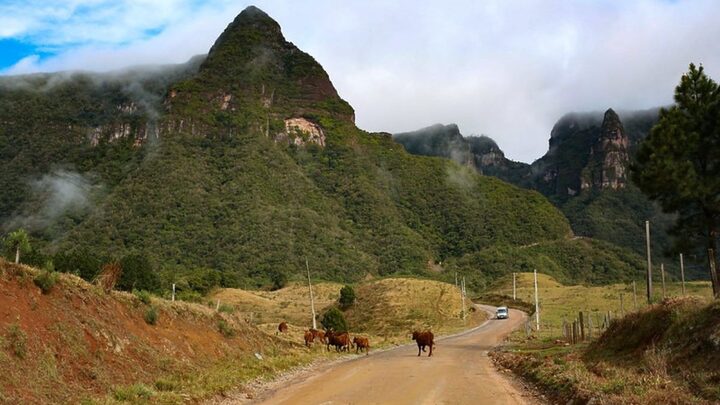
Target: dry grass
x=560 y=302
x=651 y=355
x=386 y=310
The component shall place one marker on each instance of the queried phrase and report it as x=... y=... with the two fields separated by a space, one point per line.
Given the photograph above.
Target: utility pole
x=682 y=273
x=662 y=275
x=514 y=288
x=312 y=299
x=462 y=293
x=649 y=263
x=537 y=305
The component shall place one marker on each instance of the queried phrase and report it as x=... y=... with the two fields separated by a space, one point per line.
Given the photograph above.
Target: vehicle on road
x=502 y=313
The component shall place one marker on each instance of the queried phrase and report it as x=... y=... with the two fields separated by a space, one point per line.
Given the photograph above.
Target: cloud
x=54 y=195
x=505 y=69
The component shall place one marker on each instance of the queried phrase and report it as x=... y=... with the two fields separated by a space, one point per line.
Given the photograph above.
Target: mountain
x=242 y=166
x=584 y=172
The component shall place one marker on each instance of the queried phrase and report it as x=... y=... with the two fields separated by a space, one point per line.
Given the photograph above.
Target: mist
x=55 y=196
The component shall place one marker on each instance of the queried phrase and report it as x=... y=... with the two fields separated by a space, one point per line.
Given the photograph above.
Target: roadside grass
x=646 y=356
x=228 y=377
x=560 y=302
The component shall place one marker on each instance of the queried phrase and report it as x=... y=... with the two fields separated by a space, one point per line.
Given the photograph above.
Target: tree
x=17 y=242
x=347 y=296
x=138 y=273
x=678 y=164
x=278 y=279
x=335 y=320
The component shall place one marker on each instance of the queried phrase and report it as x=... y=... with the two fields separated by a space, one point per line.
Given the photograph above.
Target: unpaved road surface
x=459 y=372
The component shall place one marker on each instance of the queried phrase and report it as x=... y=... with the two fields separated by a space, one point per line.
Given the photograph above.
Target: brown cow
x=282 y=328
x=316 y=335
x=361 y=343
x=423 y=339
x=341 y=341
x=308 y=338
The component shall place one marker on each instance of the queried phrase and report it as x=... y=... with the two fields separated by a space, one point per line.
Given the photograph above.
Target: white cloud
x=505 y=69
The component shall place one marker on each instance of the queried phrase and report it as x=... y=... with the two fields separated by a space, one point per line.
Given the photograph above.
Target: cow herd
x=341 y=340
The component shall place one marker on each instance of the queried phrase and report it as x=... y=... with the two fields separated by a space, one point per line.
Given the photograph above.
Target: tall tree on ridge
x=678 y=164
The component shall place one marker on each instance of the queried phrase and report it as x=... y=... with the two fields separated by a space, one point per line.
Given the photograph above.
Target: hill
x=76 y=343
x=387 y=310
x=665 y=353
x=584 y=173
x=246 y=162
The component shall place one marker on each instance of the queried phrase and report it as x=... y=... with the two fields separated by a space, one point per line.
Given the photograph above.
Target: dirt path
x=459 y=372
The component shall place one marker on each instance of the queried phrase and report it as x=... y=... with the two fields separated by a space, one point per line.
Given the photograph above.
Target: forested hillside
x=240 y=166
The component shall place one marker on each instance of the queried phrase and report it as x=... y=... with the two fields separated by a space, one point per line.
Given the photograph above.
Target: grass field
x=560 y=302
x=386 y=310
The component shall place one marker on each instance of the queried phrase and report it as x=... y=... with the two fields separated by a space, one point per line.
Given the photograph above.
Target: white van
x=502 y=313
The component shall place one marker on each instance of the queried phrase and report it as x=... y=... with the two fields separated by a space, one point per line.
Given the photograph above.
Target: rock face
x=480 y=152
x=300 y=131
x=608 y=164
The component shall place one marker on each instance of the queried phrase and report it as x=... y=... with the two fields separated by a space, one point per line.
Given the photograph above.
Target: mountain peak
x=251 y=63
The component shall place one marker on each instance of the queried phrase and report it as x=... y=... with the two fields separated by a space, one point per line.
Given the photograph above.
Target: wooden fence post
x=582 y=326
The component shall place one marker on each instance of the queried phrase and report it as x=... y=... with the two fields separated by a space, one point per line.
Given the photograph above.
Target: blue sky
x=508 y=69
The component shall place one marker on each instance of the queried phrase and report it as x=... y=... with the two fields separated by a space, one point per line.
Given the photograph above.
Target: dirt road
x=459 y=372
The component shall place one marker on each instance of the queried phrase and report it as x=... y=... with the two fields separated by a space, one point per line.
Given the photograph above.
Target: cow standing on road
x=423 y=339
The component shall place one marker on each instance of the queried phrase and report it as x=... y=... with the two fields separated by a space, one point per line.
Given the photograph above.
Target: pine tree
x=678 y=164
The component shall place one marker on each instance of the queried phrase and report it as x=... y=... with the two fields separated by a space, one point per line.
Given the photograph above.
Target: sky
x=506 y=69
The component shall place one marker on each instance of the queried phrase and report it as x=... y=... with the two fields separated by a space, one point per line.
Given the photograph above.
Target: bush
x=79 y=262
x=226 y=308
x=133 y=393
x=46 y=280
x=278 y=279
x=143 y=296
x=225 y=328
x=151 y=316
x=347 y=296
x=17 y=340
x=189 y=296
x=138 y=273
x=335 y=320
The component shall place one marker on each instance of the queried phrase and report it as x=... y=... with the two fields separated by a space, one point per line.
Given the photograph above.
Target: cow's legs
x=431 y=346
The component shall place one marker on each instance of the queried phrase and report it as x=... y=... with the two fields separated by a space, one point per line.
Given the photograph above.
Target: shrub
x=347 y=296
x=226 y=308
x=165 y=385
x=151 y=316
x=278 y=279
x=189 y=296
x=138 y=272
x=143 y=296
x=335 y=320
x=133 y=393
x=17 y=340
x=46 y=280
x=225 y=328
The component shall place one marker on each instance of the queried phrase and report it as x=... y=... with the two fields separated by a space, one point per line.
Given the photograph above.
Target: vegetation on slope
x=218 y=191
x=76 y=343
x=666 y=353
x=569 y=260
x=387 y=310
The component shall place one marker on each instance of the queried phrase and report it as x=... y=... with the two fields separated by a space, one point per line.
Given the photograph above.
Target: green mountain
x=246 y=162
x=584 y=173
